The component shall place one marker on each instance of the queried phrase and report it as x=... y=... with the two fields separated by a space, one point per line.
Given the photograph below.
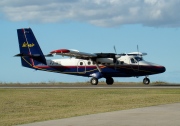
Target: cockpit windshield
x=138 y=58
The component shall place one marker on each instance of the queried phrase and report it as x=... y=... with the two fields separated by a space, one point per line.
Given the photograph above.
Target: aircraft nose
x=161 y=69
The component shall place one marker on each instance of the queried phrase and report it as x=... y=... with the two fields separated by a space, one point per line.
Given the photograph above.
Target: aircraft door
x=134 y=64
x=81 y=67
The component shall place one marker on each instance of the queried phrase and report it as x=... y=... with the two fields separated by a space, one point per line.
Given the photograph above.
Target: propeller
x=114 y=59
x=138 y=49
x=115 y=49
x=117 y=55
x=138 y=55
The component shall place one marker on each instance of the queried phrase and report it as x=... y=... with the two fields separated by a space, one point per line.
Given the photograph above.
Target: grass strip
x=19 y=106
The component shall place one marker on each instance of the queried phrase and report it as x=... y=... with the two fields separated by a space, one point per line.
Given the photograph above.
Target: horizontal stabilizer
x=49 y=55
x=27 y=55
x=36 y=57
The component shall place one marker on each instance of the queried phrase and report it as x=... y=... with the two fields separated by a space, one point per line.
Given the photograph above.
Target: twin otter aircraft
x=96 y=66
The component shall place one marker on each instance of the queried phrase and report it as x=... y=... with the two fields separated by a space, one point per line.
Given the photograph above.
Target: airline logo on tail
x=26 y=44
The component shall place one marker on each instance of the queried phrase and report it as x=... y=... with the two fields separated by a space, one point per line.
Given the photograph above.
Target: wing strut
x=99 y=69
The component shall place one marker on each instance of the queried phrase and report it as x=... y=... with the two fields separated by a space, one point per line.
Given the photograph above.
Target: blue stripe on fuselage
x=118 y=71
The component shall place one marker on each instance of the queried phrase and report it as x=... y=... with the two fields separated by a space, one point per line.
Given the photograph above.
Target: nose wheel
x=146 y=81
x=94 y=81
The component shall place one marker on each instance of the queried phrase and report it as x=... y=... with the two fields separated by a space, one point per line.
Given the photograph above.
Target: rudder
x=30 y=51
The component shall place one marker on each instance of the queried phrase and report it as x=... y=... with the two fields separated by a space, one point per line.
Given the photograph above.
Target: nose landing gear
x=94 y=81
x=146 y=81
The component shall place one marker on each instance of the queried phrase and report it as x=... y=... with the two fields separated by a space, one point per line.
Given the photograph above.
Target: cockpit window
x=132 y=60
x=138 y=58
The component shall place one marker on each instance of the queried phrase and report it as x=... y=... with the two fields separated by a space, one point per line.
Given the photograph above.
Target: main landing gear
x=109 y=81
x=98 y=75
x=146 y=81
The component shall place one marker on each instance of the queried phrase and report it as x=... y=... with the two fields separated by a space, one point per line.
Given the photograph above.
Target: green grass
x=19 y=106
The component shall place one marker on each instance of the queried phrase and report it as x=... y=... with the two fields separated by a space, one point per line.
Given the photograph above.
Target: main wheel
x=146 y=81
x=109 y=81
x=94 y=81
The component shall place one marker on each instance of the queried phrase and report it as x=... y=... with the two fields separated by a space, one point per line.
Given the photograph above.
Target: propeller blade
x=138 y=49
x=138 y=54
x=115 y=49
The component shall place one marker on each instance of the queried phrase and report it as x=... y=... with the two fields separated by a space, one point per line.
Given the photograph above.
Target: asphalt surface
x=88 y=86
x=162 y=115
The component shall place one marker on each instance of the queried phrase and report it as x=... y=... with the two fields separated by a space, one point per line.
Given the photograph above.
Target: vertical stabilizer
x=30 y=51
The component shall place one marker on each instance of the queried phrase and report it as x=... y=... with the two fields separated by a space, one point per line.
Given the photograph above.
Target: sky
x=91 y=26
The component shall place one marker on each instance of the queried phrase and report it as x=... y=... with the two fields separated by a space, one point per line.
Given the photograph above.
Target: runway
x=73 y=86
x=162 y=115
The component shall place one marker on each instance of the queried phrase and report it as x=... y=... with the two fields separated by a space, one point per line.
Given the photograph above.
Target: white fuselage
x=123 y=60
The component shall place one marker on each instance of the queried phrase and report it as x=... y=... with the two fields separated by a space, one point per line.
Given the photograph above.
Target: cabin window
x=81 y=63
x=89 y=63
x=121 y=62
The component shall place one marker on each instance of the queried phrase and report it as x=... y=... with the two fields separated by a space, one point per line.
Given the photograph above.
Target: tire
x=109 y=81
x=94 y=81
x=146 y=81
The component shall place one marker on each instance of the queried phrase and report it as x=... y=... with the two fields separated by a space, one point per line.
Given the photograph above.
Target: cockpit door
x=81 y=67
x=134 y=64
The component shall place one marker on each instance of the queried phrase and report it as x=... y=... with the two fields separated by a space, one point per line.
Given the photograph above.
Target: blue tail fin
x=30 y=51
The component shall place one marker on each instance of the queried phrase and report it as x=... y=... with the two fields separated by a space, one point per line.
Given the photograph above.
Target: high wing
x=137 y=54
x=83 y=55
x=73 y=53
